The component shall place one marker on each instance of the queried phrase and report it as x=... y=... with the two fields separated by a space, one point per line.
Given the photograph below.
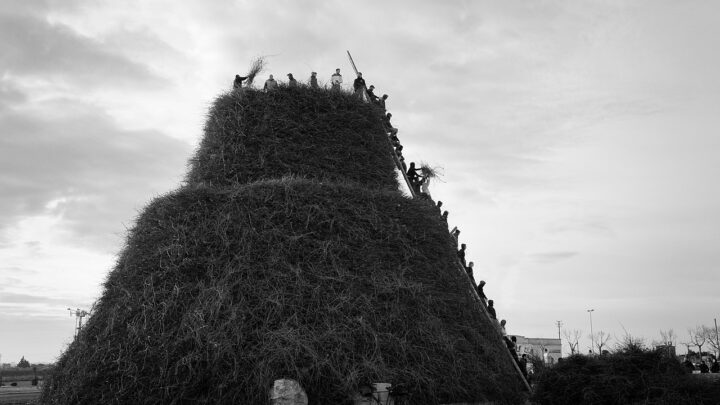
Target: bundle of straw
x=257 y=66
x=430 y=172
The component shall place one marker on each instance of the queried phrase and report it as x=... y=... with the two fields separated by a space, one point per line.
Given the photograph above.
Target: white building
x=535 y=347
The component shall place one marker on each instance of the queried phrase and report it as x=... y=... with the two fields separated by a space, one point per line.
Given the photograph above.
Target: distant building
x=536 y=347
x=668 y=350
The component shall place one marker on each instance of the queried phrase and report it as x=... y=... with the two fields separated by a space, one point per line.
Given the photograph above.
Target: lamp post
x=592 y=336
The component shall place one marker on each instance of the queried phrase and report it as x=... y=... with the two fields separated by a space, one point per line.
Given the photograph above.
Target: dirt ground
x=24 y=393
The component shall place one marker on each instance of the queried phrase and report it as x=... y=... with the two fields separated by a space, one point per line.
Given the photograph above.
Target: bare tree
x=573 y=337
x=698 y=337
x=601 y=339
x=668 y=337
x=711 y=336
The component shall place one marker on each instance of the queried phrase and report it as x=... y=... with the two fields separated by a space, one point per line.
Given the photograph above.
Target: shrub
x=630 y=376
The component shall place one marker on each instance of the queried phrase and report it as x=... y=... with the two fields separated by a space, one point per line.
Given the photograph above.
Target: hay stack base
x=330 y=279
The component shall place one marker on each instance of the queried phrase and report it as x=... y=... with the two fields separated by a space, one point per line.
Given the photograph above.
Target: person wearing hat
x=313 y=80
x=291 y=80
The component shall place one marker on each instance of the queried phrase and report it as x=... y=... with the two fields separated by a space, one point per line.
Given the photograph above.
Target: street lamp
x=592 y=337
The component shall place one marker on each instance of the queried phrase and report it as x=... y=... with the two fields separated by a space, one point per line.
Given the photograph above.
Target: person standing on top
x=238 y=81
x=270 y=84
x=336 y=80
x=359 y=85
x=313 y=80
x=291 y=80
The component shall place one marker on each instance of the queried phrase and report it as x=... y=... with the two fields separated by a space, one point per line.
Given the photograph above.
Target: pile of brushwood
x=296 y=131
x=631 y=375
x=289 y=254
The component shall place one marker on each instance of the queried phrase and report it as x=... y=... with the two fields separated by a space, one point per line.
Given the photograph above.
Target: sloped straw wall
x=245 y=276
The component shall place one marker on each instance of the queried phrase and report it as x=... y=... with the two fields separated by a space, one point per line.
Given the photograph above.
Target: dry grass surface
x=314 y=133
x=232 y=281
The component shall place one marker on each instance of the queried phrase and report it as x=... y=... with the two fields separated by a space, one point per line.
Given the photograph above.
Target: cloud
x=54 y=53
x=69 y=159
x=551 y=257
x=22 y=299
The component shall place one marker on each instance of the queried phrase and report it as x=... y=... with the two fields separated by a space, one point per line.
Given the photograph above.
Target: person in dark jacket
x=371 y=94
x=359 y=85
x=481 y=293
x=469 y=271
x=313 y=80
x=491 y=309
x=414 y=177
x=715 y=368
x=381 y=101
x=461 y=254
x=704 y=369
x=291 y=80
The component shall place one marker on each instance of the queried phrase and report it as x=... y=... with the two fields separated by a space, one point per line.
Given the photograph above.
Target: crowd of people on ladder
x=419 y=181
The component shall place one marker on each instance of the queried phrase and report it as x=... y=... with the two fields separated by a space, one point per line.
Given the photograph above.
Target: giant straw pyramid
x=288 y=253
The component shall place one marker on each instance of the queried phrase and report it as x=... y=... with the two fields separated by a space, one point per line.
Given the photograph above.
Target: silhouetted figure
x=512 y=347
x=313 y=80
x=715 y=368
x=291 y=80
x=388 y=125
x=469 y=271
x=414 y=177
x=381 y=101
x=371 y=94
x=270 y=84
x=491 y=309
x=689 y=365
x=445 y=216
x=359 y=85
x=481 y=293
x=336 y=80
x=398 y=149
x=439 y=207
x=461 y=254
x=704 y=369
x=523 y=365
x=394 y=140
x=238 y=81
x=455 y=233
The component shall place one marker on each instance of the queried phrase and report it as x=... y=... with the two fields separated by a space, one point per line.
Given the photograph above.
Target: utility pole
x=559 y=324
x=717 y=339
x=592 y=336
x=79 y=315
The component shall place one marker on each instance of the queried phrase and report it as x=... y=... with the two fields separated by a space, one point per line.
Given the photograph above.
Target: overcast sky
x=578 y=141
